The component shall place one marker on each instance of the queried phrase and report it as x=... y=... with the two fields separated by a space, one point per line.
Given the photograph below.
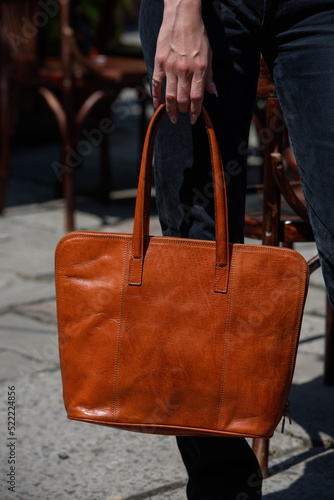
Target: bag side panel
x=269 y=291
x=90 y=273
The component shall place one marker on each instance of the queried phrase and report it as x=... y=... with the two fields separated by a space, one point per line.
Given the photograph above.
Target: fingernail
x=155 y=102
x=173 y=119
x=214 y=89
x=193 y=119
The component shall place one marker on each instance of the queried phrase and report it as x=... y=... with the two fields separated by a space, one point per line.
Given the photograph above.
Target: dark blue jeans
x=296 y=38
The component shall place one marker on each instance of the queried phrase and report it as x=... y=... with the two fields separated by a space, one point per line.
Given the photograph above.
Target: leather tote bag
x=177 y=336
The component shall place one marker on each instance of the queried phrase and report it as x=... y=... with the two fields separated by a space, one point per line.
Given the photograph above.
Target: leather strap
x=142 y=211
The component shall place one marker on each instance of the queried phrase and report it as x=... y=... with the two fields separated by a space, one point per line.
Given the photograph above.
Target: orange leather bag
x=177 y=336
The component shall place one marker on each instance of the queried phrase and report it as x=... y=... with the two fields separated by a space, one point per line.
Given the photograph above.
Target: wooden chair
x=72 y=84
x=276 y=212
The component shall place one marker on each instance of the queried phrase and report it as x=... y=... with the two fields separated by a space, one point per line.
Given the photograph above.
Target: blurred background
x=68 y=67
x=65 y=66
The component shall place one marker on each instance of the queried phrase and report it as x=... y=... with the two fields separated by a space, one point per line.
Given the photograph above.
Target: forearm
x=182 y=10
x=183 y=24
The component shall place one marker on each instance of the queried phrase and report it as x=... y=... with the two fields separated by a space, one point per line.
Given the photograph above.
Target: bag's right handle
x=142 y=211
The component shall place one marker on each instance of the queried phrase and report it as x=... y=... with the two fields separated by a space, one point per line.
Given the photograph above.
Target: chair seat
x=128 y=70
x=291 y=227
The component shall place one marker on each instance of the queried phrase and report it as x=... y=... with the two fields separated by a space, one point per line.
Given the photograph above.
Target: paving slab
x=45 y=311
x=59 y=458
x=308 y=476
x=22 y=290
x=316 y=301
x=28 y=250
x=312 y=337
x=26 y=346
x=51 y=221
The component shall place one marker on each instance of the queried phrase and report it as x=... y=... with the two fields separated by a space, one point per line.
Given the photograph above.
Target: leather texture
x=177 y=336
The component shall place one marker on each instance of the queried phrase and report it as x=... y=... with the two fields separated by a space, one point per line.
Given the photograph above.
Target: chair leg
x=329 y=349
x=105 y=177
x=261 y=450
x=105 y=181
x=4 y=170
x=68 y=189
x=4 y=141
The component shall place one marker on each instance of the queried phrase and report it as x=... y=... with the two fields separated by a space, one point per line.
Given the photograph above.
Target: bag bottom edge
x=169 y=430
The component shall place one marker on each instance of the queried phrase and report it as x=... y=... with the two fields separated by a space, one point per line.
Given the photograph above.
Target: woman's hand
x=184 y=58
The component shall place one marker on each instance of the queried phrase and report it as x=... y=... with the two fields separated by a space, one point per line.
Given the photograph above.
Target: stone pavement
x=58 y=458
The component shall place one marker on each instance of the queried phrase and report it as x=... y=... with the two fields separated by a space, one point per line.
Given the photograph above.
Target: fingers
x=171 y=97
x=172 y=104
x=184 y=90
x=202 y=81
x=157 y=80
x=156 y=91
x=183 y=95
x=177 y=94
x=197 y=96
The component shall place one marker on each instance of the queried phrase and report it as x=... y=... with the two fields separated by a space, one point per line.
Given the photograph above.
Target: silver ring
x=156 y=81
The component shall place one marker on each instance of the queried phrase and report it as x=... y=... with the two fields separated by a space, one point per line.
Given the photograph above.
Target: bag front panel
x=173 y=338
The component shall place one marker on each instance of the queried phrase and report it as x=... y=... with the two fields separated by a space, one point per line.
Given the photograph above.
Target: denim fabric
x=296 y=38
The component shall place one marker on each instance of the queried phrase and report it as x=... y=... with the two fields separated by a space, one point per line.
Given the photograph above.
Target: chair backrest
x=277 y=184
x=21 y=22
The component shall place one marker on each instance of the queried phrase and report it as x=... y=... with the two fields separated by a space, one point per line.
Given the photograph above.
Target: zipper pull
x=286 y=413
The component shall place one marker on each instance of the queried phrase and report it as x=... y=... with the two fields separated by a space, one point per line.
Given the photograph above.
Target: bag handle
x=142 y=210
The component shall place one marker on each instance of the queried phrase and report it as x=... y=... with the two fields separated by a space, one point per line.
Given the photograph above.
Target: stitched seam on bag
x=165 y=240
x=196 y=431
x=93 y=234
x=60 y=329
x=267 y=248
x=161 y=240
x=154 y=240
x=227 y=338
x=296 y=338
x=216 y=282
x=119 y=335
x=141 y=272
